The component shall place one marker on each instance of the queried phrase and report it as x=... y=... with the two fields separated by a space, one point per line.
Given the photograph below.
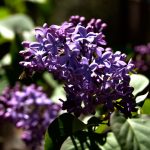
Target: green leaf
x=84 y=140
x=101 y=128
x=139 y=83
x=146 y=107
x=58 y=93
x=50 y=80
x=141 y=98
x=131 y=134
x=28 y=36
x=60 y=129
x=6 y=60
x=15 y=24
x=68 y=145
x=111 y=143
x=48 y=142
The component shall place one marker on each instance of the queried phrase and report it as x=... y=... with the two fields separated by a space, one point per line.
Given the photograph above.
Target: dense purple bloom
x=75 y=52
x=142 y=59
x=29 y=108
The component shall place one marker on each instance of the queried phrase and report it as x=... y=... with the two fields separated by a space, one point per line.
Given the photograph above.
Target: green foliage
x=4 y=12
x=122 y=133
x=59 y=130
x=146 y=107
x=101 y=128
x=139 y=83
x=141 y=98
x=15 y=24
x=111 y=143
x=69 y=133
x=126 y=134
x=131 y=134
x=17 y=6
x=68 y=145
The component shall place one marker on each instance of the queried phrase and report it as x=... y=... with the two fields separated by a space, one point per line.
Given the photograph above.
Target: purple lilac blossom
x=29 y=108
x=142 y=58
x=75 y=52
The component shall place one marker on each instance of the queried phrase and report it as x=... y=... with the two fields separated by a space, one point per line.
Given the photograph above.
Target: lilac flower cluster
x=29 y=108
x=142 y=58
x=75 y=52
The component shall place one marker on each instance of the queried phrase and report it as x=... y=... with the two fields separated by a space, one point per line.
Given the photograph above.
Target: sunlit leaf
x=68 y=145
x=131 y=134
x=141 y=98
x=15 y=24
x=28 y=36
x=50 y=80
x=58 y=93
x=84 y=140
x=6 y=32
x=6 y=60
x=139 y=82
x=101 y=128
x=111 y=143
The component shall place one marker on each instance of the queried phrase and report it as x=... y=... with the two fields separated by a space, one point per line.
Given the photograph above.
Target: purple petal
x=84 y=61
x=107 y=64
x=100 y=39
x=122 y=63
x=25 y=44
x=82 y=31
x=76 y=37
x=90 y=39
x=39 y=31
x=99 y=51
x=106 y=55
x=35 y=45
x=50 y=38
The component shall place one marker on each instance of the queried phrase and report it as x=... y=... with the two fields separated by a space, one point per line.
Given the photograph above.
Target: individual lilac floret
x=142 y=58
x=75 y=52
x=29 y=108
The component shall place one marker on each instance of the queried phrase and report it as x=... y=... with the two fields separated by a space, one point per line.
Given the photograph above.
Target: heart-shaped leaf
x=131 y=134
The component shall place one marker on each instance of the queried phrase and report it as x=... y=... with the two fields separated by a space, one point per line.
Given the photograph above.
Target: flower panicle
x=76 y=52
x=28 y=108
